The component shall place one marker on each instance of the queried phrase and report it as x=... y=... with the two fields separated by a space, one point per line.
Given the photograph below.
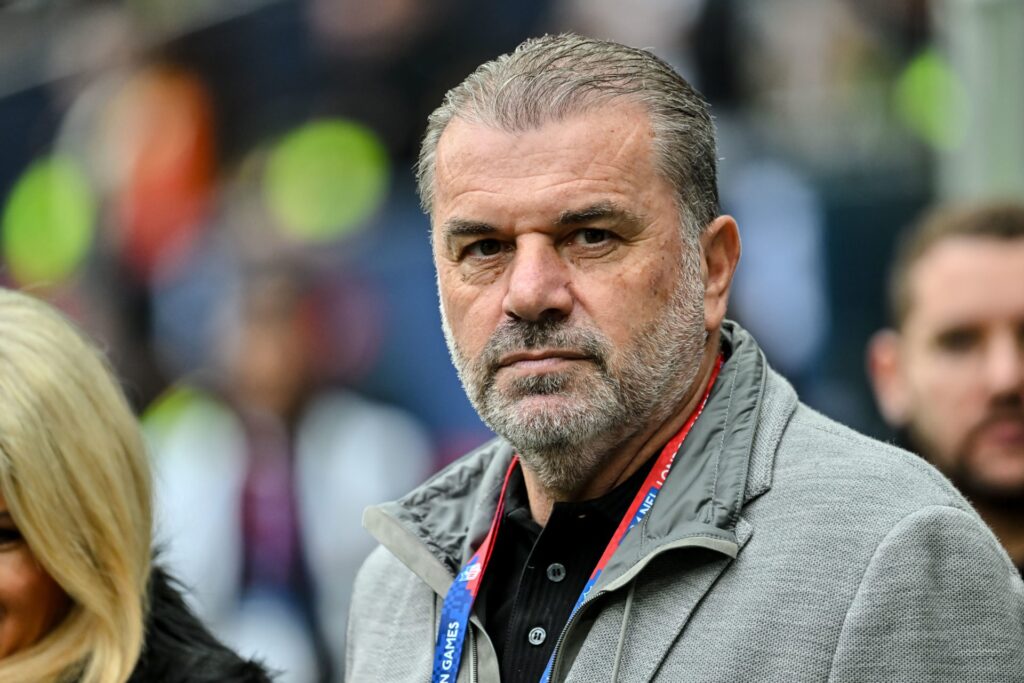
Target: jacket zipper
x=565 y=632
x=473 y=673
x=622 y=581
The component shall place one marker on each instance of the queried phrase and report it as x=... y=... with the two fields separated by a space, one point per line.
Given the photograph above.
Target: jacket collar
x=725 y=462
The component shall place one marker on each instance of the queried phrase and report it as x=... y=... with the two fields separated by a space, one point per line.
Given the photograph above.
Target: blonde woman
x=79 y=600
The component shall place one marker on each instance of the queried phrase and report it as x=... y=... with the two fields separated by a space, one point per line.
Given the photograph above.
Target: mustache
x=1008 y=409
x=516 y=335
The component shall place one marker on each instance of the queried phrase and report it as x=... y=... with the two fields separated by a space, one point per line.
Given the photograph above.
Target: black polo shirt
x=536 y=574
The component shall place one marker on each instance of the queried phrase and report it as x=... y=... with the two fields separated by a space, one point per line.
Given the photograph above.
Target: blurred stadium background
x=221 y=192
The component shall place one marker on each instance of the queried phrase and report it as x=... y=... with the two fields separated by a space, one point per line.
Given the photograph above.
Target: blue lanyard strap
x=451 y=633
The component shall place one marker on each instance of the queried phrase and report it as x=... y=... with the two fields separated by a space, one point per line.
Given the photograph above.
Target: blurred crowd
x=222 y=193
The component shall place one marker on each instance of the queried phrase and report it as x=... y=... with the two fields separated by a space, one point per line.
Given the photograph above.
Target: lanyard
x=458 y=602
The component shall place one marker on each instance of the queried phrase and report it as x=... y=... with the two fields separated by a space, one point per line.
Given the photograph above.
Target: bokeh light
x=160 y=416
x=160 y=133
x=326 y=178
x=177 y=402
x=48 y=222
x=932 y=102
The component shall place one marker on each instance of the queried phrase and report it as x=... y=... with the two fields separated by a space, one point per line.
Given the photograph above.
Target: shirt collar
x=607 y=509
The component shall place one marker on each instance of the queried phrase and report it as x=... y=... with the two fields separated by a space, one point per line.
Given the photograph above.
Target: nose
x=1005 y=364
x=539 y=282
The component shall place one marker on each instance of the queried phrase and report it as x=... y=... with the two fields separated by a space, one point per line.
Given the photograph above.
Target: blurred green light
x=168 y=408
x=48 y=222
x=326 y=178
x=183 y=406
x=932 y=101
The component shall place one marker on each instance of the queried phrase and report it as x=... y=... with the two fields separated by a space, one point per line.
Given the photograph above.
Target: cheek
x=951 y=386
x=472 y=313
x=658 y=287
x=31 y=602
x=947 y=401
x=627 y=302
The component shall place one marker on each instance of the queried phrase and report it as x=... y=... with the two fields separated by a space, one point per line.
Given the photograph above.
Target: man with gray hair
x=658 y=504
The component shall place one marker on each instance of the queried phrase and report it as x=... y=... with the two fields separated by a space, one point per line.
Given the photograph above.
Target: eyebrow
x=595 y=212
x=460 y=227
x=456 y=227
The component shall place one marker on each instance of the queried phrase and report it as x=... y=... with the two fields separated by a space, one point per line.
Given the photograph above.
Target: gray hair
x=554 y=77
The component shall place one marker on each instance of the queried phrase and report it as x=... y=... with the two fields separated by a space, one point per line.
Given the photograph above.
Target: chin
x=549 y=407
x=544 y=423
x=987 y=487
x=543 y=420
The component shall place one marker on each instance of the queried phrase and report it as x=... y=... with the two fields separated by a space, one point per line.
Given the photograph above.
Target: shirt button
x=556 y=572
x=537 y=636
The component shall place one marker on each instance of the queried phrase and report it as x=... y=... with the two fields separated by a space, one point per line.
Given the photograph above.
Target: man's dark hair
x=554 y=77
x=993 y=219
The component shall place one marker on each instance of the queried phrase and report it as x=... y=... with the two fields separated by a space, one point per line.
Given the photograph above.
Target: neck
x=629 y=456
x=1006 y=525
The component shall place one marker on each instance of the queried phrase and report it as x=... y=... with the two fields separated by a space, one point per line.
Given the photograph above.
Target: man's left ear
x=720 y=245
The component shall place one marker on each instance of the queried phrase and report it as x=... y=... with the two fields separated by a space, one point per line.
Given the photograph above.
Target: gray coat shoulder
x=387 y=616
x=838 y=462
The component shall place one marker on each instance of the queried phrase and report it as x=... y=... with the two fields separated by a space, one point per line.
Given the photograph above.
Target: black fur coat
x=180 y=649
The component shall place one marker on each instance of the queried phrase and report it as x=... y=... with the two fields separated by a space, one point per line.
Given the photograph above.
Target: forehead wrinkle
x=624 y=139
x=630 y=141
x=562 y=173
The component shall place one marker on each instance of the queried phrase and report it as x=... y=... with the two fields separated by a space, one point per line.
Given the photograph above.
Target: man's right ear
x=885 y=370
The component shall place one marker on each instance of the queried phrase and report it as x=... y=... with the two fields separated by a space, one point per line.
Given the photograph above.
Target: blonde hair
x=74 y=473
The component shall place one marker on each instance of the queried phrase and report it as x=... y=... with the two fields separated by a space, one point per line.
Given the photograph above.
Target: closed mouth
x=541 y=355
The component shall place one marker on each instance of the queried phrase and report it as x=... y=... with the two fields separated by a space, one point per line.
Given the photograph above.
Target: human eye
x=591 y=236
x=9 y=536
x=482 y=249
x=958 y=339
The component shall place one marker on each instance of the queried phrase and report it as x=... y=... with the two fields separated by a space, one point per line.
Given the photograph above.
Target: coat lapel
x=669 y=600
x=673 y=587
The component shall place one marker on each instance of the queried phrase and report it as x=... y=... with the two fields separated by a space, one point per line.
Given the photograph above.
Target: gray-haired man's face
x=573 y=306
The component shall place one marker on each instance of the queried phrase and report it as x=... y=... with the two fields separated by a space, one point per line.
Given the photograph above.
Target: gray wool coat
x=784 y=547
